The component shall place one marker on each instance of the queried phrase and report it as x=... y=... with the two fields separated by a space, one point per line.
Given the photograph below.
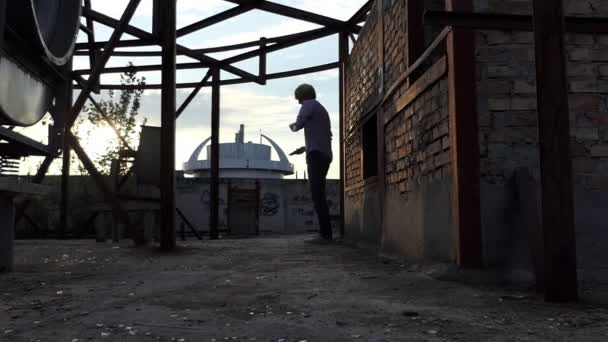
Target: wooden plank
x=556 y=166
x=464 y=143
x=168 y=20
x=214 y=185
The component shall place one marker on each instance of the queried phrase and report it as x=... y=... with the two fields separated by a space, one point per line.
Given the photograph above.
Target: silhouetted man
x=313 y=117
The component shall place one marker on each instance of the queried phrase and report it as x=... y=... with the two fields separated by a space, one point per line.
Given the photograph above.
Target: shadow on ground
x=278 y=289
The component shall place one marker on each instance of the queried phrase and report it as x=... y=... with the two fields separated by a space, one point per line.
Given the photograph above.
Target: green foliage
x=122 y=109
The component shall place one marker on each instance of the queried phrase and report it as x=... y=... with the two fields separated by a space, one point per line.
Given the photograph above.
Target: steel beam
x=464 y=142
x=101 y=63
x=415 y=30
x=82 y=49
x=2 y=21
x=168 y=19
x=558 y=227
x=193 y=94
x=343 y=55
x=199 y=25
x=90 y=25
x=225 y=48
x=361 y=14
x=98 y=178
x=190 y=85
x=214 y=183
x=139 y=33
x=295 y=40
x=63 y=104
x=516 y=22
x=299 y=14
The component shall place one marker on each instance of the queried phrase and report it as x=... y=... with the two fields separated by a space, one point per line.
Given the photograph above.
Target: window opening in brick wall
x=370 y=148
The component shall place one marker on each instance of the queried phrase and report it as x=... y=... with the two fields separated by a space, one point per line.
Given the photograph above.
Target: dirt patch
x=278 y=289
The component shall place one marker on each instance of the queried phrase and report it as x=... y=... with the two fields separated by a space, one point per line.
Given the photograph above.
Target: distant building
x=241 y=160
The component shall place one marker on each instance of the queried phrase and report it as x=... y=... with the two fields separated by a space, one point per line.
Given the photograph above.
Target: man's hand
x=298 y=151
x=293 y=127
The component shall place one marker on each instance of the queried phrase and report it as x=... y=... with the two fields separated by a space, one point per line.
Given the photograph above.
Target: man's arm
x=303 y=117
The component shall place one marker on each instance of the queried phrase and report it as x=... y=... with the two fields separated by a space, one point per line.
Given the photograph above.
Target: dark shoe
x=318 y=240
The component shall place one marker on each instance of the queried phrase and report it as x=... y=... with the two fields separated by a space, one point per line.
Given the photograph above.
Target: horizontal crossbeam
x=494 y=21
x=141 y=34
x=191 y=85
x=300 y=15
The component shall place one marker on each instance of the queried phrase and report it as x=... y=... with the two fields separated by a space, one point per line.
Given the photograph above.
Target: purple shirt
x=313 y=117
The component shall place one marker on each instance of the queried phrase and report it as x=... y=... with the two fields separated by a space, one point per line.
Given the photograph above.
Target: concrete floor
x=275 y=289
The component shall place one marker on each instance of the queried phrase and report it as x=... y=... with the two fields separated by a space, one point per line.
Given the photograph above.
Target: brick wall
x=395 y=41
x=369 y=75
x=417 y=144
x=507 y=97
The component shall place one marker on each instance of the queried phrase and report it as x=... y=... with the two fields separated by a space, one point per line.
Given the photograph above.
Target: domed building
x=241 y=160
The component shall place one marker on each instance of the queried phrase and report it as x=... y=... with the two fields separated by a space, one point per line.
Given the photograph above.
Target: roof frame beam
x=299 y=14
x=141 y=34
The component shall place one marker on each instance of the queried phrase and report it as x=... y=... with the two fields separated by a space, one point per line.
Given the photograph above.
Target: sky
x=269 y=108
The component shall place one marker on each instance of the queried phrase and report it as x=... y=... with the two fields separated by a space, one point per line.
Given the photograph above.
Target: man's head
x=305 y=92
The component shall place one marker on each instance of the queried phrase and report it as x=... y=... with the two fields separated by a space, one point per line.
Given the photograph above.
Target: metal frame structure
x=165 y=34
x=547 y=23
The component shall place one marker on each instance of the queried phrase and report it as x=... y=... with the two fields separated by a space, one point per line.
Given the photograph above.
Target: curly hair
x=305 y=92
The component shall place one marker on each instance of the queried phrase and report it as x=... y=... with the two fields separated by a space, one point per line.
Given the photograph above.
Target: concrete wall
x=285 y=205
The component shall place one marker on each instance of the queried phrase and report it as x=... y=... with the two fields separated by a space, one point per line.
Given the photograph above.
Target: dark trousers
x=318 y=165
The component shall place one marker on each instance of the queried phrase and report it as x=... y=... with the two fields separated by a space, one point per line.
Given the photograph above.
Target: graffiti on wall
x=270 y=204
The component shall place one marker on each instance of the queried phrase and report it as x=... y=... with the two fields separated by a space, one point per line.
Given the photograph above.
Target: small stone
x=105 y=334
x=432 y=332
x=410 y=313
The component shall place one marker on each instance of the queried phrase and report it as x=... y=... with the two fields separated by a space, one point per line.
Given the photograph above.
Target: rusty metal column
x=464 y=142
x=2 y=21
x=214 y=181
x=167 y=13
x=343 y=55
x=558 y=226
x=63 y=104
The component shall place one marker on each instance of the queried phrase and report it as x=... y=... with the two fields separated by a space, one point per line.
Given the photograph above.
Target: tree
x=122 y=109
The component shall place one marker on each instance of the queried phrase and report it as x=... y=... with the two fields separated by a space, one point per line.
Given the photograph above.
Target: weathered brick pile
x=507 y=97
